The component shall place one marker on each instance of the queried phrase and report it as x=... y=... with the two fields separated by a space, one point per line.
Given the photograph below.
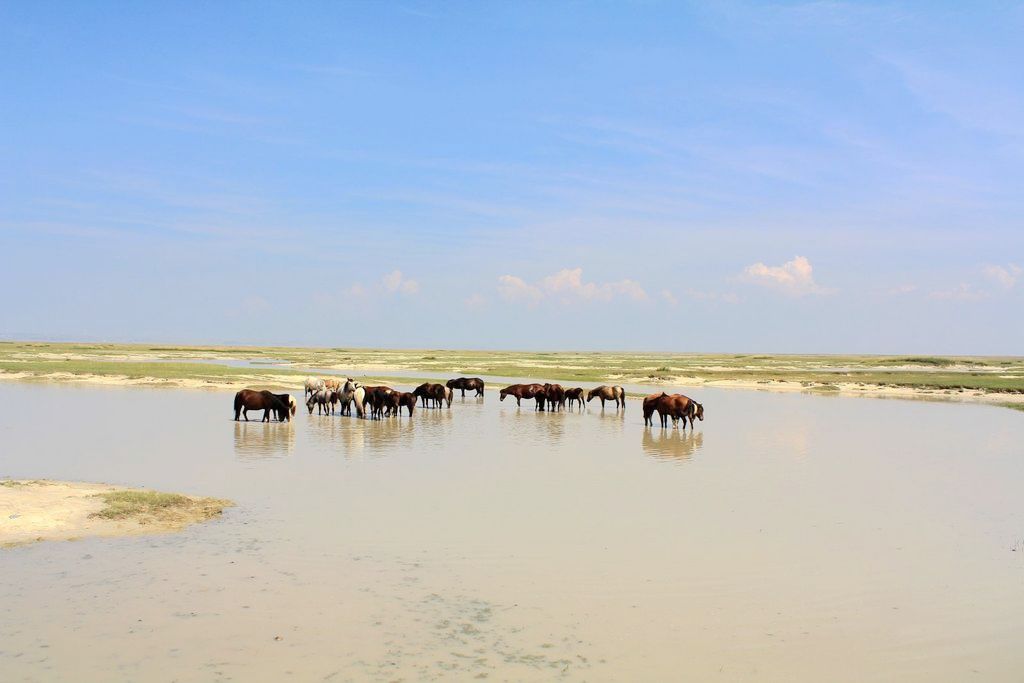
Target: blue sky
x=722 y=176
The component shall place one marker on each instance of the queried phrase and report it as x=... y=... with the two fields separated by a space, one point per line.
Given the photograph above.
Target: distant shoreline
x=997 y=380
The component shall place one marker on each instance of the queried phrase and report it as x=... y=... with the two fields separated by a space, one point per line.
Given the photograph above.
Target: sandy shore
x=41 y=510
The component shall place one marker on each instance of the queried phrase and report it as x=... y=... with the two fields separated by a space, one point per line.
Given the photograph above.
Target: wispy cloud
x=567 y=286
x=396 y=282
x=794 y=277
x=1004 y=276
x=964 y=291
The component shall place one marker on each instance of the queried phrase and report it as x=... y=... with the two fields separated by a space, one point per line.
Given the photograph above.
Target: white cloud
x=396 y=282
x=567 y=286
x=515 y=289
x=475 y=301
x=669 y=297
x=794 y=277
x=1004 y=276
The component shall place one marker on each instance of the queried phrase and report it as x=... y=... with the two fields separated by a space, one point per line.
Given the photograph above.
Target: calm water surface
x=788 y=538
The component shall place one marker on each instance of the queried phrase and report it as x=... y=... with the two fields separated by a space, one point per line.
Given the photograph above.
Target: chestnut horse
x=609 y=393
x=573 y=395
x=521 y=391
x=675 y=406
x=247 y=399
x=463 y=383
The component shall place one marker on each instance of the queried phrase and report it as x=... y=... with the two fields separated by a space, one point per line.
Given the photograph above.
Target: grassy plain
x=989 y=378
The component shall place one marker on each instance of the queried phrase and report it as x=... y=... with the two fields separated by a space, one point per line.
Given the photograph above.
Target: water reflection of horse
x=262 y=440
x=671 y=444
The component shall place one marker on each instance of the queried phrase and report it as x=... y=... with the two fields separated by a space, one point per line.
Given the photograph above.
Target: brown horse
x=377 y=399
x=289 y=401
x=609 y=393
x=555 y=395
x=696 y=410
x=407 y=400
x=573 y=395
x=247 y=399
x=650 y=405
x=463 y=383
x=521 y=391
x=334 y=384
x=678 y=407
x=438 y=393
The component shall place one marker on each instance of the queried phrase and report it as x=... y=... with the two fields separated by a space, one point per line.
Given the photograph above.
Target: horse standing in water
x=247 y=399
x=406 y=400
x=521 y=391
x=313 y=384
x=289 y=401
x=555 y=395
x=437 y=393
x=463 y=383
x=321 y=398
x=573 y=395
x=609 y=393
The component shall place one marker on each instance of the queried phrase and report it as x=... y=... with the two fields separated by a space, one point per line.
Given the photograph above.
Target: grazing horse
x=555 y=395
x=289 y=401
x=437 y=393
x=521 y=391
x=609 y=393
x=314 y=384
x=574 y=395
x=247 y=399
x=406 y=400
x=321 y=398
x=463 y=383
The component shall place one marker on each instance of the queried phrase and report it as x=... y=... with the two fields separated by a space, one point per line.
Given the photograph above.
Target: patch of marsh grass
x=143 y=505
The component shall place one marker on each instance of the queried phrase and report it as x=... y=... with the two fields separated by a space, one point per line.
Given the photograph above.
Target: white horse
x=352 y=392
x=314 y=384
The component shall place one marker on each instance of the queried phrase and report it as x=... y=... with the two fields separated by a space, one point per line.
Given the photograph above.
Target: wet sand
x=36 y=510
x=790 y=537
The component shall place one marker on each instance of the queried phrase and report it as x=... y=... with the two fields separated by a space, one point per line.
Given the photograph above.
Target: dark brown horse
x=650 y=405
x=463 y=383
x=377 y=400
x=573 y=395
x=521 y=391
x=555 y=395
x=247 y=399
x=289 y=401
x=438 y=393
x=407 y=400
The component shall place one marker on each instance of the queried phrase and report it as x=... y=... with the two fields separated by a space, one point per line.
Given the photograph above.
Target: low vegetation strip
x=281 y=367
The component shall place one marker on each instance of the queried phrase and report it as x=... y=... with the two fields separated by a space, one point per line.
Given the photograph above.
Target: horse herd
x=328 y=395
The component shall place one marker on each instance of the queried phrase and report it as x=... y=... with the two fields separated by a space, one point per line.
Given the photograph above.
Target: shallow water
x=788 y=538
